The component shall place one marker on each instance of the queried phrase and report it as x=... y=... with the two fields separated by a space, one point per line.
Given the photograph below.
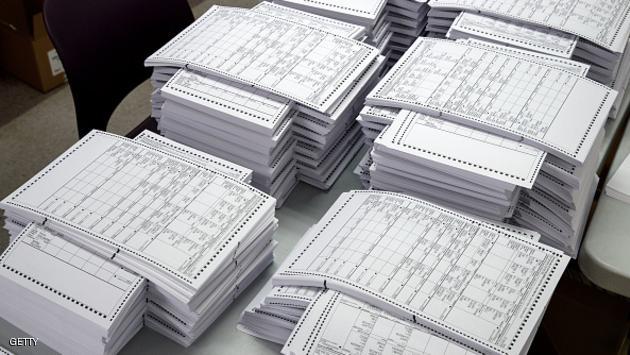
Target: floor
x=35 y=127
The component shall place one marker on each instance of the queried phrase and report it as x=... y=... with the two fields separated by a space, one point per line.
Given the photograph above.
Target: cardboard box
x=29 y=55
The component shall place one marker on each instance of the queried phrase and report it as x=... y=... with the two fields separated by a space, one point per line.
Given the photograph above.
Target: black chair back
x=102 y=45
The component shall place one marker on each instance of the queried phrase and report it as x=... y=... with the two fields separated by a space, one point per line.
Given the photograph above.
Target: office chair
x=102 y=45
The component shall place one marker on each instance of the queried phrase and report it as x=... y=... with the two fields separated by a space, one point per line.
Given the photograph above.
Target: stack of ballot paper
x=619 y=184
x=69 y=298
x=273 y=89
x=237 y=172
x=592 y=33
x=391 y=25
x=183 y=220
x=374 y=258
x=494 y=131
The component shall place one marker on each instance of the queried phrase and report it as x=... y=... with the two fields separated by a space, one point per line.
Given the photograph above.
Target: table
x=307 y=204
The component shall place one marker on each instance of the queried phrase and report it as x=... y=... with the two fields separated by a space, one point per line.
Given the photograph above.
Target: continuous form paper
x=436 y=141
x=460 y=277
x=284 y=57
x=604 y=22
x=368 y=10
x=344 y=29
x=506 y=94
x=230 y=169
x=254 y=109
x=88 y=285
x=569 y=65
x=535 y=38
x=151 y=206
x=339 y=324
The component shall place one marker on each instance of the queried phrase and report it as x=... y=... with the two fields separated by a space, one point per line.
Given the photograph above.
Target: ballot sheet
x=248 y=107
x=366 y=11
x=287 y=58
x=569 y=65
x=230 y=169
x=437 y=142
x=501 y=93
x=516 y=34
x=169 y=217
x=91 y=287
x=605 y=23
x=339 y=324
x=341 y=28
x=458 y=276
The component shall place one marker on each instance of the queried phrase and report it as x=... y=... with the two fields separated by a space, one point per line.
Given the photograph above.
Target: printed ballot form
x=144 y=206
x=506 y=94
x=605 y=22
x=460 y=277
x=339 y=324
x=301 y=63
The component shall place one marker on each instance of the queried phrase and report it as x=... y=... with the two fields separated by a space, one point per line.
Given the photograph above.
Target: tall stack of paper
x=235 y=122
x=72 y=300
x=273 y=89
x=237 y=172
x=198 y=236
x=402 y=263
x=592 y=33
x=492 y=131
x=392 y=25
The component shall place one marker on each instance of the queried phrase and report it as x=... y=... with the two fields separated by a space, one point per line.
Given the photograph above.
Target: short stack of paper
x=495 y=132
x=456 y=166
x=592 y=33
x=67 y=297
x=275 y=311
x=273 y=89
x=391 y=26
x=375 y=257
x=197 y=235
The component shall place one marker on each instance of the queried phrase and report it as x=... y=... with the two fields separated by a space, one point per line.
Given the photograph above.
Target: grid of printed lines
x=417 y=256
x=133 y=195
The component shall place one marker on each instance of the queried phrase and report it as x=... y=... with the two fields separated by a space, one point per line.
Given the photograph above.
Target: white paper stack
x=235 y=122
x=456 y=166
x=237 y=172
x=392 y=25
x=389 y=266
x=69 y=298
x=197 y=235
x=273 y=89
x=592 y=33
x=492 y=131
